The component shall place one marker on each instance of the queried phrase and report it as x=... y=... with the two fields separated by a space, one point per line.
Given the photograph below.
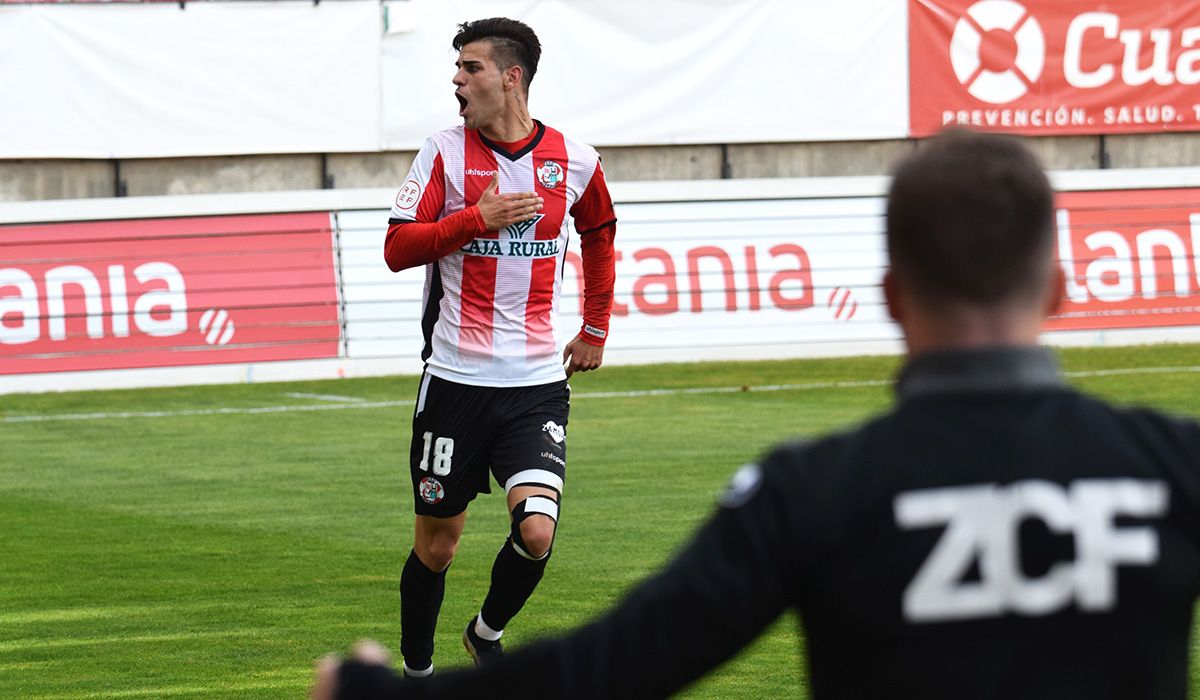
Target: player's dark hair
x=970 y=219
x=513 y=43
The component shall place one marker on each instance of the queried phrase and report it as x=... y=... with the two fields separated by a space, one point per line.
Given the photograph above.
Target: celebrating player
x=996 y=535
x=485 y=209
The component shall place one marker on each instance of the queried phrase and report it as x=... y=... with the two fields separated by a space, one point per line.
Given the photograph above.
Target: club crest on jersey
x=518 y=229
x=431 y=490
x=550 y=174
x=556 y=431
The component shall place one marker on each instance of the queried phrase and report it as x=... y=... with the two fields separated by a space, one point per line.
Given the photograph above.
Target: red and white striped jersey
x=491 y=307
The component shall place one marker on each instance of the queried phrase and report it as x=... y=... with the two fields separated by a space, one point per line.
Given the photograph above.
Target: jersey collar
x=978 y=371
x=539 y=131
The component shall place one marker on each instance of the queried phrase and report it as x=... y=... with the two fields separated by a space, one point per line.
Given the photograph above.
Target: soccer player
x=995 y=535
x=485 y=208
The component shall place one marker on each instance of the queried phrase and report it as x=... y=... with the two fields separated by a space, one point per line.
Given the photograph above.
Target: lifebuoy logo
x=1053 y=67
x=997 y=50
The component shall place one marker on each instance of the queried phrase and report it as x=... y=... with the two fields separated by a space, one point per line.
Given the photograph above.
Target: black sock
x=513 y=579
x=421 y=592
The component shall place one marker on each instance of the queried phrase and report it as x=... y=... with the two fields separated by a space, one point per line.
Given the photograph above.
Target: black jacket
x=996 y=535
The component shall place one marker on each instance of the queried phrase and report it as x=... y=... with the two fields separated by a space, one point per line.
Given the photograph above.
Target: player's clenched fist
x=501 y=210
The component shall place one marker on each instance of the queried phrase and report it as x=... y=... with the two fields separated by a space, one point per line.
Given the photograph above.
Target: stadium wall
x=142 y=291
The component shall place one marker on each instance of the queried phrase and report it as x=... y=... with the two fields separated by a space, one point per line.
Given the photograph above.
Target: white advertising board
x=734 y=269
x=694 y=280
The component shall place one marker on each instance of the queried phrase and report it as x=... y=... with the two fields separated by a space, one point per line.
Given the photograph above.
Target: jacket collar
x=977 y=371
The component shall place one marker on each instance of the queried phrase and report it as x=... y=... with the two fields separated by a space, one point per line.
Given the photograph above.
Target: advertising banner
x=1131 y=259
x=721 y=270
x=167 y=292
x=796 y=277
x=1054 y=66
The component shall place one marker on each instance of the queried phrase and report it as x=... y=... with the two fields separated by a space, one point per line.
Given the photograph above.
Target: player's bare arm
x=501 y=210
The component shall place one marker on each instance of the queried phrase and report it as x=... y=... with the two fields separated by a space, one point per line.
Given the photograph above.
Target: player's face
x=480 y=86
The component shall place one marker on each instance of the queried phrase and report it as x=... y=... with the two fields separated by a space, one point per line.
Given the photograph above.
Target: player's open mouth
x=462 y=104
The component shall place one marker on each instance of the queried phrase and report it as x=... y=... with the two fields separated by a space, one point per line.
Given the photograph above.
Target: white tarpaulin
x=631 y=72
x=104 y=81
x=223 y=78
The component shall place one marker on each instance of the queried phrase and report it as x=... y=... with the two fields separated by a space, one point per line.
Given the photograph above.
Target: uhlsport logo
x=550 y=174
x=997 y=50
x=556 y=431
x=431 y=490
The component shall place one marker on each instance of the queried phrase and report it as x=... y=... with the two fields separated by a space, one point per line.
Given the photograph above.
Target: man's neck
x=966 y=331
x=513 y=125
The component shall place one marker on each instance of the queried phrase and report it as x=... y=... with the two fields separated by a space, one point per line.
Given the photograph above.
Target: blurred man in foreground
x=996 y=535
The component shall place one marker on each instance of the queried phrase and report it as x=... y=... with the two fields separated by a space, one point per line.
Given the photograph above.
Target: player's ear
x=891 y=296
x=512 y=78
x=1056 y=290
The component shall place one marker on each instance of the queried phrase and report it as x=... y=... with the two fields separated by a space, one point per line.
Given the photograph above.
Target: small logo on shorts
x=557 y=433
x=550 y=174
x=431 y=490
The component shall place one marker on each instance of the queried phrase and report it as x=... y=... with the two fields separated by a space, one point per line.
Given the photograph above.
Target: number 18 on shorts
x=463 y=435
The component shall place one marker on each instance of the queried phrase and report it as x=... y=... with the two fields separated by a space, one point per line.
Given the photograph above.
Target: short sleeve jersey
x=490 y=309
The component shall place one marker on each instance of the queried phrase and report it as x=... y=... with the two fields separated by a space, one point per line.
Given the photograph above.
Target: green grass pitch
x=215 y=547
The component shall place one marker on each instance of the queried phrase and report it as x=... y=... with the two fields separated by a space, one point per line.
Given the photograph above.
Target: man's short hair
x=513 y=43
x=970 y=220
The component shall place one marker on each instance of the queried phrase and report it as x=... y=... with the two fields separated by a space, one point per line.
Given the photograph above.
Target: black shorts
x=463 y=432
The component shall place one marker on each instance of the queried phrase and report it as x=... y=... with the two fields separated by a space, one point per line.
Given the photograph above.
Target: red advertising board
x=1131 y=259
x=1054 y=66
x=167 y=292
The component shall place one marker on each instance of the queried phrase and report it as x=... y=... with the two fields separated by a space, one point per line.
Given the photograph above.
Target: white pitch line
x=398 y=404
x=731 y=389
x=203 y=412
x=592 y=395
x=326 y=397
x=1132 y=370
